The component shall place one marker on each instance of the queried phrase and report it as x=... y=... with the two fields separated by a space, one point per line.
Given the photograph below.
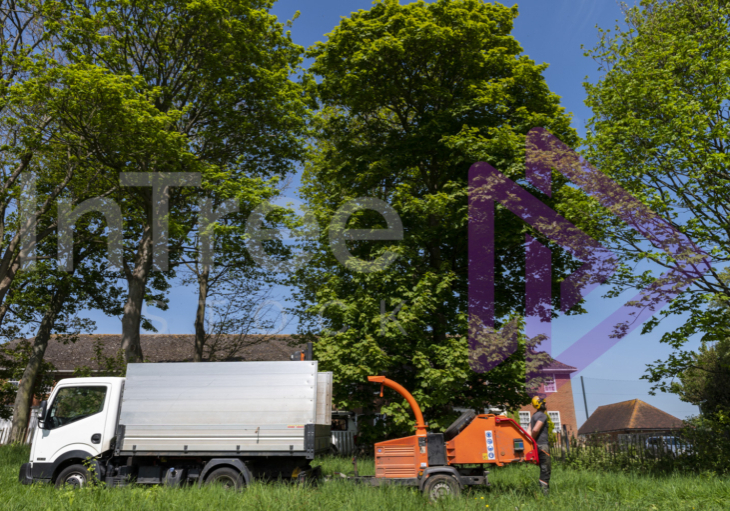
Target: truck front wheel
x=227 y=477
x=74 y=476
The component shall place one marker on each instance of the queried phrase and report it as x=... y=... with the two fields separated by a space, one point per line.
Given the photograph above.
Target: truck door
x=75 y=421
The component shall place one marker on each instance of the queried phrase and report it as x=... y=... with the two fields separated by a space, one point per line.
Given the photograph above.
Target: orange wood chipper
x=437 y=462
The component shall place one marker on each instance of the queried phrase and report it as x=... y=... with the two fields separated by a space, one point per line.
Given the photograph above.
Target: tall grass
x=513 y=487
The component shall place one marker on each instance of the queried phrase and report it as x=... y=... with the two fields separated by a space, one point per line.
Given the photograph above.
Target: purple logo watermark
x=487 y=187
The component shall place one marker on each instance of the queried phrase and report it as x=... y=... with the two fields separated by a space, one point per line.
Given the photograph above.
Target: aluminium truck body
x=183 y=422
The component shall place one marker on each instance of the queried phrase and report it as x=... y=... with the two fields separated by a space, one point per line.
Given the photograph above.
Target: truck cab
x=77 y=423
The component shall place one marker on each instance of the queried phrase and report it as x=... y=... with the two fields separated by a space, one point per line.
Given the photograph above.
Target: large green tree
x=37 y=163
x=219 y=74
x=659 y=129
x=411 y=96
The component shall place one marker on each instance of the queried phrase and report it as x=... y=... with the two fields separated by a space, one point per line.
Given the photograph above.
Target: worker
x=539 y=431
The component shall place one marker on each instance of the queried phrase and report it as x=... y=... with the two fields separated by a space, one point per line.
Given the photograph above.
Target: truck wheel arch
x=226 y=462
x=73 y=457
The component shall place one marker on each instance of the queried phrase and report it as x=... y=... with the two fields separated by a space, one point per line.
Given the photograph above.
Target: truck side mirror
x=42 y=414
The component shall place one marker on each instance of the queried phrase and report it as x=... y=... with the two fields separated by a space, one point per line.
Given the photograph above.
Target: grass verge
x=513 y=488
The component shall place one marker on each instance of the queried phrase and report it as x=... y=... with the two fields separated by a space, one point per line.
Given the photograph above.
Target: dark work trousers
x=545 y=463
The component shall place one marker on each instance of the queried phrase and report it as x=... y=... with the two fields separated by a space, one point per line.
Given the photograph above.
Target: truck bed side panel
x=218 y=407
x=324 y=399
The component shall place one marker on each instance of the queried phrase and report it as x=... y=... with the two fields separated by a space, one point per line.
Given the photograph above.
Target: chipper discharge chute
x=435 y=462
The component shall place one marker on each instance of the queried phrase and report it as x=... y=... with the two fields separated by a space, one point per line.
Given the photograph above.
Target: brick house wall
x=559 y=398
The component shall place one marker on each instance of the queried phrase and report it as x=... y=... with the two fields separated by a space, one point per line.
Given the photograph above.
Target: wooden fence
x=5 y=426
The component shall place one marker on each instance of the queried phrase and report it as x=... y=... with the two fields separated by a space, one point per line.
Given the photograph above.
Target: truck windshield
x=75 y=403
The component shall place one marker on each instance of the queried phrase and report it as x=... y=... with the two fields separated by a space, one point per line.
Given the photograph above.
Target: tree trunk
x=200 y=315
x=24 y=397
x=137 y=285
x=7 y=280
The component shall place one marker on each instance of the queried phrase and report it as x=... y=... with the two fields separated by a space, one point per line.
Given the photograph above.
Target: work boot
x=545 y=488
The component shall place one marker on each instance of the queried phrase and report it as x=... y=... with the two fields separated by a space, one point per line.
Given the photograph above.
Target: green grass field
x=513 y=488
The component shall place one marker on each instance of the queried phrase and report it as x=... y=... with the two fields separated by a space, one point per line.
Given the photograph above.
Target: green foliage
x=515 y=416
x=552 y=435
x=705 y=381
x=228 y=107
x=411 y=96
x=704 y=448
x=709 y=437
x=180 y=87
x=659 y=129
x=91 y=468
x=12 y=364
x=38 y=109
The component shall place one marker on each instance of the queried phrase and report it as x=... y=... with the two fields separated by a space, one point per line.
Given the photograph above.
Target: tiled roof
x=628 y=415
x=162 y=348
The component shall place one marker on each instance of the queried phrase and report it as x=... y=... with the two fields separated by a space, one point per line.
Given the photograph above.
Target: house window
x=550 y=385
x=525 y=420
x=555 y=417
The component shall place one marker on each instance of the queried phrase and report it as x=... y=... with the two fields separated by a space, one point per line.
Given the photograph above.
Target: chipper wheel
x=441 y=485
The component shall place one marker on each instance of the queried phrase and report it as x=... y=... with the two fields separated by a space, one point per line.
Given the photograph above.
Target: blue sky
x=552 y=32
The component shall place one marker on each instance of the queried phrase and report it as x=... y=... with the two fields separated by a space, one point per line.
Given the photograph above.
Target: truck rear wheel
x=75 y=476
x=441 y=485
x=227 y=477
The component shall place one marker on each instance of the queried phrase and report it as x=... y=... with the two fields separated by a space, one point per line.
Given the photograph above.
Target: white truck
x=174 y=423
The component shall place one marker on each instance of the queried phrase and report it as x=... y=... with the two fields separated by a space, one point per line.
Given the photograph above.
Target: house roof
x=555 y=366
x=634 y=415
x=161 y=348
x=179 y=348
